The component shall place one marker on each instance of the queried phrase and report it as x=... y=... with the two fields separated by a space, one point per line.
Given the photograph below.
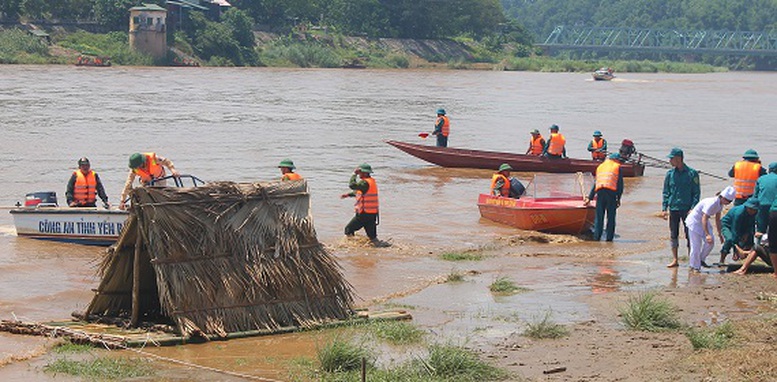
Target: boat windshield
x=559 y=185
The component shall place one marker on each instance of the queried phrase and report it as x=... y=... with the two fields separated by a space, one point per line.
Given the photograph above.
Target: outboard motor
x=41 y=199
x=627 y=149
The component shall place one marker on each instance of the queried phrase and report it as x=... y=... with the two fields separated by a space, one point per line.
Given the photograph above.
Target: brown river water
x=238 y=123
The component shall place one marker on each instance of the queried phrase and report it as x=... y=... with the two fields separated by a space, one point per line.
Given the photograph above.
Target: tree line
x=374 y=18
x=541 y=16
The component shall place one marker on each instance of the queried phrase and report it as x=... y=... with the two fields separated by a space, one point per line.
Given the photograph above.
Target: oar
x=666 y=162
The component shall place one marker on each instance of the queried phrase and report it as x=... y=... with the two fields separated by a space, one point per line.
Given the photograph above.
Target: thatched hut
x=222 y=258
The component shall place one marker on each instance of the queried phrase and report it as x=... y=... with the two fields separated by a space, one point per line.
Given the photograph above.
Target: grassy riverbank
x=325 y=51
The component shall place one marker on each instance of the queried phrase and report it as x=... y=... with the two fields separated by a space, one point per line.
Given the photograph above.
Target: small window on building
x=150 y=21
x=136 y=20
x=158 y=20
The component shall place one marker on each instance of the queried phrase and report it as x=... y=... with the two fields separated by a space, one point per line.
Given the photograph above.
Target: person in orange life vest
x=536 y=143
x=555 y=147
x=149 y=167
x=608 y=190
x=598 y=147
x=745 y=173
x=287 y=169
x=442 y=128
x=367 y=206
x=84 y=186
x=503 y=185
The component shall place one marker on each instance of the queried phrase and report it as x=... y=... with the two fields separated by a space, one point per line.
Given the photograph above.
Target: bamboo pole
x=136 y=283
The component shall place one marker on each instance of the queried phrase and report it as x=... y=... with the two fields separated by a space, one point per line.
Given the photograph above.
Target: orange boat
x=552 y=215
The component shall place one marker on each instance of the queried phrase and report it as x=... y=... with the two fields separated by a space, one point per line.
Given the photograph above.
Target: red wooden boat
x=552 y=215
x=451 y=157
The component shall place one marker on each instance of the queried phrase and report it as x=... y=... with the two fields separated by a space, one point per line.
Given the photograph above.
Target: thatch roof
x=223 y=258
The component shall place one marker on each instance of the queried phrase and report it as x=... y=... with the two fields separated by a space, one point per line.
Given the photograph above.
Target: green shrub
x=18 y=46
x=397 y=332
x=545 y=328
x=711 y=338
x=647 y=312
x=462 y=256
x=339 y=355
x=505 y=286
x=102 y=368
x=458 y=364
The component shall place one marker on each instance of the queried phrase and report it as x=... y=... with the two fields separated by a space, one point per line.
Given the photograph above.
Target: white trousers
x=699 y=247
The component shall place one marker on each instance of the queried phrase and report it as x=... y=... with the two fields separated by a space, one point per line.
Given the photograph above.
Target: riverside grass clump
x=462 y=256
x=101 y=368
x=341 y=355
x=437 y=363
x=113 y=44
x=397 y=332
x=545 y=328
x=719 y=337
x=504 y=286
x=647 y=312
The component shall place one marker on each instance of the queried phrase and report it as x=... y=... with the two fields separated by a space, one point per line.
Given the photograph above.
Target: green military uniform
x=766 y=192
x=738 y=226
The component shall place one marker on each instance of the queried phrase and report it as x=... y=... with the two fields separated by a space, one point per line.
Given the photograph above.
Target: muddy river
x=238 y=123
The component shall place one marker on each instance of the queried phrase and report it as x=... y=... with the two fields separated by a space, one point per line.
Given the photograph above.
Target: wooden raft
x=114 y=337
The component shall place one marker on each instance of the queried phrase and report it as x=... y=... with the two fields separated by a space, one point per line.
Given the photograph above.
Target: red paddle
x=423 y=135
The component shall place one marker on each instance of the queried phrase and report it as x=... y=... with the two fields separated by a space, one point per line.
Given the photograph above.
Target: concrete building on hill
x=148 y=30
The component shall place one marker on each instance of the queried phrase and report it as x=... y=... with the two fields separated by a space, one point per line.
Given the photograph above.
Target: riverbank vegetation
x=464 y=34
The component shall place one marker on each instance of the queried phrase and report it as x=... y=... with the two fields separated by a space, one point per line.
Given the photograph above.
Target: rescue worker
x=745 y=173
x=738 y=228
x=287 y=170
x=700 y=226
x=442 y=128
x=608 y=190
x=598 y=147
x=503 y=185
x=682 y=191
x=766 y=192
x=536 y=143
x=84 y=187
x=149 y=167
x=555 y=147
x=365 y=189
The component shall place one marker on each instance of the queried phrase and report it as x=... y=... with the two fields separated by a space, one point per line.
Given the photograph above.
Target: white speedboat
x=42 y=218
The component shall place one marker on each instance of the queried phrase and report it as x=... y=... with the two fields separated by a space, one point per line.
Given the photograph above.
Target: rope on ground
x=109 y=342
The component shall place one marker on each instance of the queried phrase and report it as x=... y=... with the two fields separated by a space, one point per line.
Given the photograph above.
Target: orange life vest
x=607 y=175
x=557 y=142
x=505 y=190
x=446 y=125
x=291 y=176
x=85 y=190
x=536 y=146
x=746 y=173
x=367 y=202
x=597 y=155
x=150 y=169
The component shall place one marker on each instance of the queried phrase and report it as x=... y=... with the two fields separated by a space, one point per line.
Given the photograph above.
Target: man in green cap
x=149 y=167
x=608 y=189
x=287 y=170
x=766 y=192
x=442 y=128
x=745 y=173
x=503 y=185
x=738 y=229
x=536 y=144
x=598 y=147
x=682 y=191
x=365 y=190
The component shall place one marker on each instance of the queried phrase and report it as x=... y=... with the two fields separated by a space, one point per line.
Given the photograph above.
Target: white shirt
x=710 y=207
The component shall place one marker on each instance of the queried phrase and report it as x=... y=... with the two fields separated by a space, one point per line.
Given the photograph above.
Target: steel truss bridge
x=723 y=43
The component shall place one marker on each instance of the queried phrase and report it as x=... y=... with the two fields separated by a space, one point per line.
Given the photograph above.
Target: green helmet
x=750 y=154
x=366 y=168
x=136 y=160
x=441 y=111
x=287 y=163
x=505 y=167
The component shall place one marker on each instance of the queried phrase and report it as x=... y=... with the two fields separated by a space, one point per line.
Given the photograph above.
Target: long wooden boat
x=79 y=225
x=452 y=157
x=565 y=215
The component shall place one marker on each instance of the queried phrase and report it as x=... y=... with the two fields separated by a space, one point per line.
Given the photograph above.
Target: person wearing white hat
x=700 y=226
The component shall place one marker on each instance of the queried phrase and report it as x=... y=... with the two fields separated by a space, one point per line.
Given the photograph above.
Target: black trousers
x=675 y=217
x=367 y=221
